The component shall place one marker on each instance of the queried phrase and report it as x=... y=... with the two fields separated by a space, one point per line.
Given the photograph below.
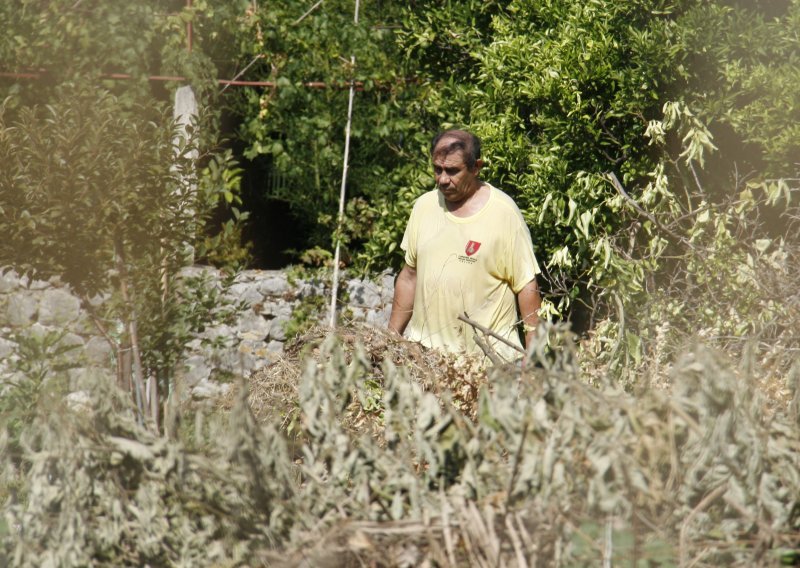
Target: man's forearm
x=529 y=301
x=403 y=301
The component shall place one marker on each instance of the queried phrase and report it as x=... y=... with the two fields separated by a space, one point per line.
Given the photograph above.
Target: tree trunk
x=141 y=397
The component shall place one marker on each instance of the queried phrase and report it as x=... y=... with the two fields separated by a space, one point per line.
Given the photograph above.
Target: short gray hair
x=464 y=141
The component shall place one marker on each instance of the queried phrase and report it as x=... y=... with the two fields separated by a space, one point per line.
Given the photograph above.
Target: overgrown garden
x=653 y=148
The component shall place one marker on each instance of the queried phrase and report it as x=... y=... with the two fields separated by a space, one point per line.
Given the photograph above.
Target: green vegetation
x=101 y=196
x=672 y=98
x=100 y=188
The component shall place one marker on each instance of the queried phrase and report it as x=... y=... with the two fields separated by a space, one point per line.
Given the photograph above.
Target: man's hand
x=403 y=302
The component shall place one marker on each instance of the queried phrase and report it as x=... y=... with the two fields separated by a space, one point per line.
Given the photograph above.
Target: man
x=467 y=251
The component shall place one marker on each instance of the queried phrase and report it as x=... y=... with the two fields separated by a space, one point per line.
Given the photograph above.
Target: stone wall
x=48 y=311
x=42 y=322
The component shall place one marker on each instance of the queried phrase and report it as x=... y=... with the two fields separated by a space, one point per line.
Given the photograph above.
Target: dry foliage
x=392 y=468
x=273 y=390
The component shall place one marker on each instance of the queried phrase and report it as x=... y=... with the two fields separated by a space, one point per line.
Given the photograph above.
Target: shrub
x=105 y=196
x=545 y=469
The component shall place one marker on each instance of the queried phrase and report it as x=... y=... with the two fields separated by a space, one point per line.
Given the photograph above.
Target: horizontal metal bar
x=125 y=76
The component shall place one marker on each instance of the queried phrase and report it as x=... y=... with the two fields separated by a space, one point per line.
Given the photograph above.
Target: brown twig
x=515 y=469
x=303 y=17
x=701 y=506
x=243 y=71
x=465 y=318
x=621 y=190
x=487 y=350
x=519 y=550
x=131 y=326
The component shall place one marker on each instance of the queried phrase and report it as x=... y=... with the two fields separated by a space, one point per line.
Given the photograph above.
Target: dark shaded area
x=272 y=229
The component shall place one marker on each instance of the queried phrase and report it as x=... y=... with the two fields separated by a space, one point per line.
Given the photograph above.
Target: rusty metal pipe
x=125 y=76
x=189 y=28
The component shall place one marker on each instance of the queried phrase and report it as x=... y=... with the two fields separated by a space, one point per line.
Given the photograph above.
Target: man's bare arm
x=403 y=301
x=529 y=301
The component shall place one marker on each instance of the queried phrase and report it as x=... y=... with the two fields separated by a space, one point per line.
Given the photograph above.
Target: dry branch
x=465 y=318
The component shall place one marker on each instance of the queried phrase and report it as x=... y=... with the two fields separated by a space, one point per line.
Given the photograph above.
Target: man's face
x=453 y=178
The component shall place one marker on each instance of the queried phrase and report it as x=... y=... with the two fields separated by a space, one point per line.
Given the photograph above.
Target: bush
x=537 y=466
x=107 y=197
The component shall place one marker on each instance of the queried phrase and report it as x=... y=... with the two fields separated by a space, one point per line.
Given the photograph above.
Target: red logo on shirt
x=472 y=248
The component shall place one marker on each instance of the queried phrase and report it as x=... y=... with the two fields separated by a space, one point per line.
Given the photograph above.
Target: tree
x=566 y=94
x=295 y=131
x=93 y=190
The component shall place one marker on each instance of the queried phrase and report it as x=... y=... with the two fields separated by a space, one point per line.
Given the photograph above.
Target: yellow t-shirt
x=474 y=265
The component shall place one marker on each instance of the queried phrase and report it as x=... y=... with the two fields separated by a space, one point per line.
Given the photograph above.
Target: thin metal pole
x=342 y=193
x=189 y=28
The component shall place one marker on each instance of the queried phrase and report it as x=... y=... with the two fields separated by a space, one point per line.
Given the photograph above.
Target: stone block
x=358 y=314
x=387 y=281
x=307 y=289
x=85 y=378
x=232 y=360
x=9 y=280
x=58 y=307
x=80 y=401
x=197 y=271
x=7 y=347
x=274 y=284
x=98 y=352
x=40 y=332
x=379 y=318
x=245 y=359
x=39 y=285
x=209 y=389
x=256 y=354
x=246 y=292
x=206 y=279
x=219 y=332
x=84 y=325
x=253 y=327
x=247 y=276
x=278 y=328
x=72 y=340
x=98 y=300
x=194 y=370
x=9 y=379
x=278 y=309
x=364 y=293
x=21 y=309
